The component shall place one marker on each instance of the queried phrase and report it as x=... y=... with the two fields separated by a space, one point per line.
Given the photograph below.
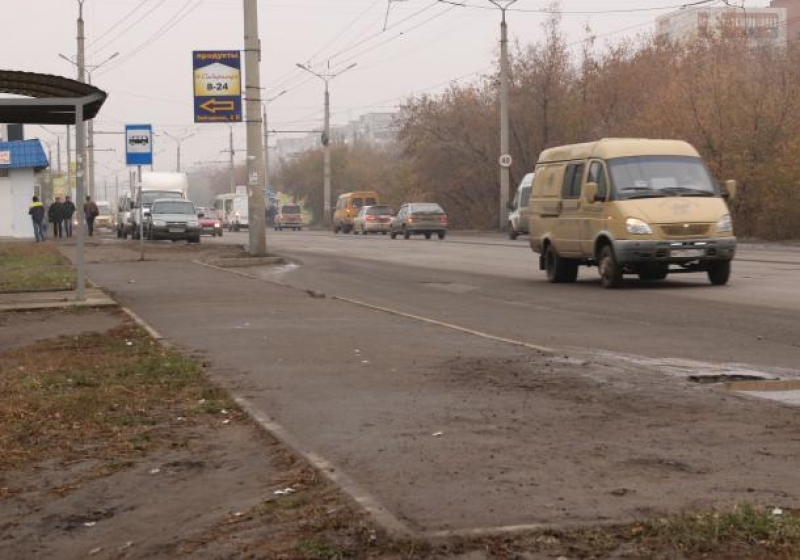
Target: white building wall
x=16 y=191
x=687 y=24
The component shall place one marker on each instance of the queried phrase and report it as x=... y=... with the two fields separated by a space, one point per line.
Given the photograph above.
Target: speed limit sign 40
x=505 y=160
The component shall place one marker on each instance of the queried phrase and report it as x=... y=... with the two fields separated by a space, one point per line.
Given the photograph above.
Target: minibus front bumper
x=678 y=251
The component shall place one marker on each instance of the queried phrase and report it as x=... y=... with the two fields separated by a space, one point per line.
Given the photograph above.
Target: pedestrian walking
x=36 y=212
x=55 y=216
x=90 y=211
x=68 y=210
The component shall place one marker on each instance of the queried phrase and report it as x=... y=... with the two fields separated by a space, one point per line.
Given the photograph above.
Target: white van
x=238 y=217
x=520 y=209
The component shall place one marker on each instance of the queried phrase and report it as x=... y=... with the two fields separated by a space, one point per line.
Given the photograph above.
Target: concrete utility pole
x=266 y=137
x=231 y=164
x=505 y=158
x=326 y=138
x=256 y=229
x=178 y=140
x=88 y=70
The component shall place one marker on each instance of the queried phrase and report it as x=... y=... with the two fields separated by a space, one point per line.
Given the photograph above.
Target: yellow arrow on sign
x=213 y=105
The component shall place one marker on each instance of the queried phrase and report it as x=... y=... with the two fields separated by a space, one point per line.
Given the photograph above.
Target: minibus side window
x=571 y=188
x=598 y=175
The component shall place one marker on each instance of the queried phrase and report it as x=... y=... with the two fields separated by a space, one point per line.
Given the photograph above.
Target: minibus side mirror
x=510 y=205
x=729 y=191
x=590 y=193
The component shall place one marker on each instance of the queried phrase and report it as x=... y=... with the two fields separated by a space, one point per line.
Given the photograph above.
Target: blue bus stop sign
x=138 y=144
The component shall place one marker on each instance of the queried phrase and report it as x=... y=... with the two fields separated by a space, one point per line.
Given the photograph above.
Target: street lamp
x=178 y=140
x=88 y=69
x=266 y=137
x=326 y=136
x=505 y=158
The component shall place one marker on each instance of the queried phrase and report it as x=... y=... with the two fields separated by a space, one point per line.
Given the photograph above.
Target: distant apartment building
x=760 y=25
x=286 y=148
x=792 y=8
x=374 y=129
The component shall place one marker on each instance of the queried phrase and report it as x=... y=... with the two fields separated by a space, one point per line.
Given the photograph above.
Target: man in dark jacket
x=90 y=211
x=55 y=216
x=67 y=210
x=36 y=212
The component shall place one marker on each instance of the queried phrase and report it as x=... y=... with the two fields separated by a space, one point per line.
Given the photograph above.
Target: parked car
x=520 y=209
x=373 y=219
x=172 y=218
x=209 y=223
x=424 y=218
x=289 y=216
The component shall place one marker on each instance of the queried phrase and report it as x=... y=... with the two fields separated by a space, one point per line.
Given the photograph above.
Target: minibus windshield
x=659 y=176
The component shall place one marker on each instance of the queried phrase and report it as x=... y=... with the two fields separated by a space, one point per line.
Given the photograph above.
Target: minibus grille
x=685 y=230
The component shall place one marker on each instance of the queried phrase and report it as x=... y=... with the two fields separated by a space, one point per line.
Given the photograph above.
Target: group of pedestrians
x=59 y=214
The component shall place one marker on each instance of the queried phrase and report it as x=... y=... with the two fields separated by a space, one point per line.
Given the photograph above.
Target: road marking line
x=545 y=349
x=398 y=313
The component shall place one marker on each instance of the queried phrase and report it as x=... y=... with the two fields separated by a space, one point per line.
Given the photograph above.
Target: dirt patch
x=116 y=447
x=19 y=329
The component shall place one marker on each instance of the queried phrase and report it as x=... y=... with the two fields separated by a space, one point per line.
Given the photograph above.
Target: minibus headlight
x=725 y=223
x=159 y=223
x=637 y=227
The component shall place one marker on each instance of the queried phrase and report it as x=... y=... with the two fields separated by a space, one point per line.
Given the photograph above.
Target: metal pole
x=504 y=141
x=231 y=152
x=179 y=156
x=256 y=229
x=69 y=165
x=58 y=151
x=326 y=140
x=90 y=153
x=141 y=215
x=80 y=141
x=266 y=149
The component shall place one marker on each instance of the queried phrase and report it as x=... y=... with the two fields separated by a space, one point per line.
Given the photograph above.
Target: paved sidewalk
x=28 y=301
x=436 y=430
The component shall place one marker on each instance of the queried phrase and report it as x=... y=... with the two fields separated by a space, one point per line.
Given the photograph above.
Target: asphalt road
x=491 y=284
x=453 y=424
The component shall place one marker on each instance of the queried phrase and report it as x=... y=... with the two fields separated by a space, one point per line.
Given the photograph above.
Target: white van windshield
x=658 y=176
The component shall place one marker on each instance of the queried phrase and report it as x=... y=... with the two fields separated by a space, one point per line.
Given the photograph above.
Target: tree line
x=736 y=102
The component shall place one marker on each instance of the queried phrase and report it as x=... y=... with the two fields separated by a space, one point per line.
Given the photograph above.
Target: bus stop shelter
x=48 y=99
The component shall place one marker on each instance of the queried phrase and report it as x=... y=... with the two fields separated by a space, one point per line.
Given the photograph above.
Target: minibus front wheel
x=610 y=271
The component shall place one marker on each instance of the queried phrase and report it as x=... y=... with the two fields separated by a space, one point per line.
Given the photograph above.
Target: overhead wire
x=103 y=46
x=117 y=23
x=188 y=7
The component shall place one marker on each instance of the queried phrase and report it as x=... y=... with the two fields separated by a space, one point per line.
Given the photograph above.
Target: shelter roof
x=25 y=154
x=56 y=98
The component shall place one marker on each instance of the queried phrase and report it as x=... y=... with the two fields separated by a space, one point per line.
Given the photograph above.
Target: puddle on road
x=777 y=384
